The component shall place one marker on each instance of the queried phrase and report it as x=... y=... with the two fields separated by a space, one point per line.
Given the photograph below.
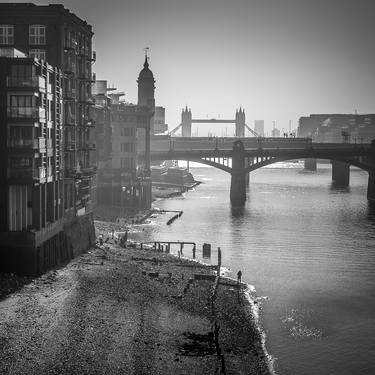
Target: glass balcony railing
x=34 y=81
x=26 y=112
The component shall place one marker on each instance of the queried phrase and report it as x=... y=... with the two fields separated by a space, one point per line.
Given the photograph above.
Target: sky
x=278 y=59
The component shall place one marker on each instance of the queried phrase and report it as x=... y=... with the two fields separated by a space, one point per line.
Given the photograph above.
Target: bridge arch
x=272 y=160
x=208 y=162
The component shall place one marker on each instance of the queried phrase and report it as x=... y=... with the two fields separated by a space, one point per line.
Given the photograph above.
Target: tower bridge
x=240 y=157
x=187 y=121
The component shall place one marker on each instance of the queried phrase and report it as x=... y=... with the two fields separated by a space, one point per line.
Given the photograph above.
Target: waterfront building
x=31 y=177
x=124 y=177
x=259 y=127
x=335 y=127
x=54 y=34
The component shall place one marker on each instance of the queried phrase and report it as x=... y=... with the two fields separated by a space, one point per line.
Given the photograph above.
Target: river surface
x=306 y=246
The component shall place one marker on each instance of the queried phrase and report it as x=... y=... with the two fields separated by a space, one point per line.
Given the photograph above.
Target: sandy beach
x=121 y=310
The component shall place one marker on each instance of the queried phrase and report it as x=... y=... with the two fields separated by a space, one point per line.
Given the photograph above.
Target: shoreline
x=166 y=320
x=247 y=309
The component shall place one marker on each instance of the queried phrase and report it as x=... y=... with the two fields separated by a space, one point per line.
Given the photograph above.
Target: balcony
x=93 y=56
x=35 y=113
x=27 y=174
x=33 y=82
x=22 y=143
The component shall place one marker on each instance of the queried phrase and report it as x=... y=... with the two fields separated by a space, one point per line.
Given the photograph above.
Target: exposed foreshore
x=121 y=310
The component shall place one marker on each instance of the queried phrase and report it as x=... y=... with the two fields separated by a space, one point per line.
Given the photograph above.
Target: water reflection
x=335 y=188
x=238 y=211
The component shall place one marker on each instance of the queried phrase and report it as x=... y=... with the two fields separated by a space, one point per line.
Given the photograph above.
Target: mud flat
x=128 y=311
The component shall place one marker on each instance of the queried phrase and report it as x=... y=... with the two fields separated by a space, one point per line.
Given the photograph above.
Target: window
x=127 y=163
x=127 y=132
x=6 y=34
x=37 y=34
x=20 y=162
x=127 y=147
x=38 y=53
x=22 y=71
x=21 y=101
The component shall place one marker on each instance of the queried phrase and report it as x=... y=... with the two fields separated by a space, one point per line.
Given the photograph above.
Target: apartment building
x=31 y=176
x=54 y=34
x=51 y=34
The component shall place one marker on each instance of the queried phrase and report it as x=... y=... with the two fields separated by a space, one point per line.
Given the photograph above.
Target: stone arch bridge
x=239 y=157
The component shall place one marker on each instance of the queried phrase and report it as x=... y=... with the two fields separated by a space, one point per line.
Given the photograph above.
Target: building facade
x=54 y=34
x=124 y=178
x=31 y=151
x=338 y=127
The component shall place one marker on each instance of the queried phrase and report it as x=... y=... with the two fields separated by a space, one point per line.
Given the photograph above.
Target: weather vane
x=146 y=49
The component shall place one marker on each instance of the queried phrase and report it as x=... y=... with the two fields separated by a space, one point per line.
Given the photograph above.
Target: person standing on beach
x=239 y=277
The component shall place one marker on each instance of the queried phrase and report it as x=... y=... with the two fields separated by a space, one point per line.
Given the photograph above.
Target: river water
x=309 y=248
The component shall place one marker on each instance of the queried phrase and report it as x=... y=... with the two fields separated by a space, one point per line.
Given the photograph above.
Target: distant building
x=332 y=127
x=32 y=235
x=259 y=127
x=159 y=125
x=275 y=132
x=124 y=178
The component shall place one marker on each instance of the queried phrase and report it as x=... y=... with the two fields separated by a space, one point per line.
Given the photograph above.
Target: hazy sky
x=279 y=59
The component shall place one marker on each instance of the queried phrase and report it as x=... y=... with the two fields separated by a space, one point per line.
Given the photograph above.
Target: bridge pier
x=371 y=186
x=310 y=165
x=238 y=180
x=340 y=173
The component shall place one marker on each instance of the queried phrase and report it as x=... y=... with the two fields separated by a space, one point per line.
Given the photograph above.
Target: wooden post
x=218 y=261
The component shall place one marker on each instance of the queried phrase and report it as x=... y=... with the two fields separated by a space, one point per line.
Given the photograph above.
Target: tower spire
x=145 y=65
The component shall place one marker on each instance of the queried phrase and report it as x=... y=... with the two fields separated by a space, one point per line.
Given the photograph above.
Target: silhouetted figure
x=239 y=277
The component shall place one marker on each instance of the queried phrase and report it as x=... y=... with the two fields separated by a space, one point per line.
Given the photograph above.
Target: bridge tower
x=186 y=120
x=240 y=123
x=239 y=176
